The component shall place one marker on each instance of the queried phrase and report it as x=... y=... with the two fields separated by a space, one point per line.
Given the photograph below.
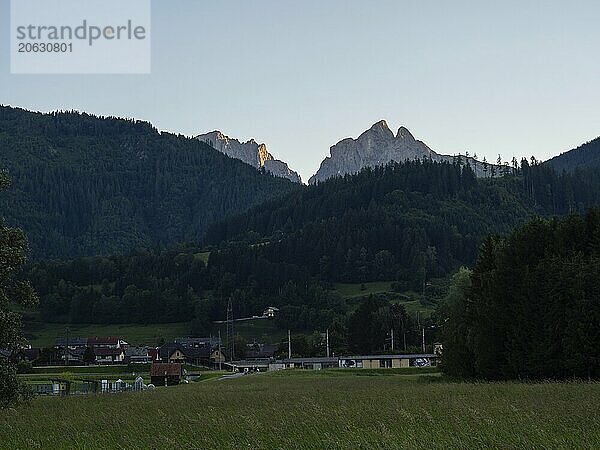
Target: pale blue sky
x=509 y=77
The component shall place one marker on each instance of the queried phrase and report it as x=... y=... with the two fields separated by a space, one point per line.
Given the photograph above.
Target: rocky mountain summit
x=251 y=153
x=376 y=147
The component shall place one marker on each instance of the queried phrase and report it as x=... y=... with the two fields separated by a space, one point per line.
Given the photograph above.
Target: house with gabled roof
x=105 y=342
x=105 y=355
x=137 y=355
x=72 y=343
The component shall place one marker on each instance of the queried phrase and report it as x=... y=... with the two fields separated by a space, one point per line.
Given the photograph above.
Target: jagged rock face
x=376 y=147
x=281 y=169
x=251 y=153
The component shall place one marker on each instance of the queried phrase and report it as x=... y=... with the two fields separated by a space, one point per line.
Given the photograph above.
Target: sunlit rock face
x=251 y=153
x=378 y=146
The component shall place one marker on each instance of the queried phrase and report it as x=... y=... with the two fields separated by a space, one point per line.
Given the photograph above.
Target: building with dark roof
x=106 y=355
x=72 y=343
x=201 y=356
x=105 y=341
x=137 y=355
x=212 y=342
x=166 y=374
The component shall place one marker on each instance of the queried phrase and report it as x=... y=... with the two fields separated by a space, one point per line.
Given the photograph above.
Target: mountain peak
x=251 y=153
x=382 y=124
x=380 y=129
x=376 y=147
x=403 y=133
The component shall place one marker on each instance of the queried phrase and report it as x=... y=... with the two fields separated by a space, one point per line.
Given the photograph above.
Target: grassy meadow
x=41 y=334
x=354 y=292
x=329 y=409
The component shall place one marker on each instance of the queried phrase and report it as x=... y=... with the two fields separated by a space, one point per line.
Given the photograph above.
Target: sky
x=516 y=78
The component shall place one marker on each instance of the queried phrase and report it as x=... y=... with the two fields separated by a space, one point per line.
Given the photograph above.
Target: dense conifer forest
x=84 y=185
x=531 y=306
x=406 y=222
x=587 y=156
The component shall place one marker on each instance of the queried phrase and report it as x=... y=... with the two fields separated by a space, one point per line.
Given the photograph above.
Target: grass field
x=329 y=409
x=355 y=291
x=45 y=334
x=261 y=330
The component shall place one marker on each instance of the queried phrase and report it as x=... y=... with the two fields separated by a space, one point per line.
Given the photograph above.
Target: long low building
x=388 y=361
x=343 y=362
x=309 y=363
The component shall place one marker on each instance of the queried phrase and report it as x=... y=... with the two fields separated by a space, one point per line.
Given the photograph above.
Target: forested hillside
x=584 y=157
x=406 y=222
x=84 y=185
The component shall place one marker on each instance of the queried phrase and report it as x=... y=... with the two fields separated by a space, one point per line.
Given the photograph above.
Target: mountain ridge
x=586 y=155
x=250 y=152
x=379 y=146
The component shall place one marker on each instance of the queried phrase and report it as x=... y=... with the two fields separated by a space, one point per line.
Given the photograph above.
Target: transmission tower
x=230 y=335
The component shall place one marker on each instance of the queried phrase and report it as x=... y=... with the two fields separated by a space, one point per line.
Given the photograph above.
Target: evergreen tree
x=13 y=291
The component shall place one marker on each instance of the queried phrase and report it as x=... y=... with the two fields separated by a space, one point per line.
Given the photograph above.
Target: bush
x=24 y=367
x=11 y=390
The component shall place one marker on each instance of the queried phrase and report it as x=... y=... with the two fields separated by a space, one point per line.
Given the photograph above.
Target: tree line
x=531 y=306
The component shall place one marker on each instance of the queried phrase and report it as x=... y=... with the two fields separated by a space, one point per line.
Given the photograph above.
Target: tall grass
x=341 y=411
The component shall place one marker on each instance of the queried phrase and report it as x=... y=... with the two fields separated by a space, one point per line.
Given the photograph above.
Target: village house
x=73 y=357
x=106 y=355
x=211 y=342
x=172 y=353
x=137 y=355
x=197 y=351
x=72 y=343
x=106 y=342
x=270 y=312
x=166 y=374
x=217 y=357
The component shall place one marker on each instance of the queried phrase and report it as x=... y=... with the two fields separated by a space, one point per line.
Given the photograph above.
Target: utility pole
x=289 y=344
x=230 y=332
x=392 y=331
x=328 y=342
x=67 y=347
x=403 y=332
x=220 y=352
x=423 y=339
